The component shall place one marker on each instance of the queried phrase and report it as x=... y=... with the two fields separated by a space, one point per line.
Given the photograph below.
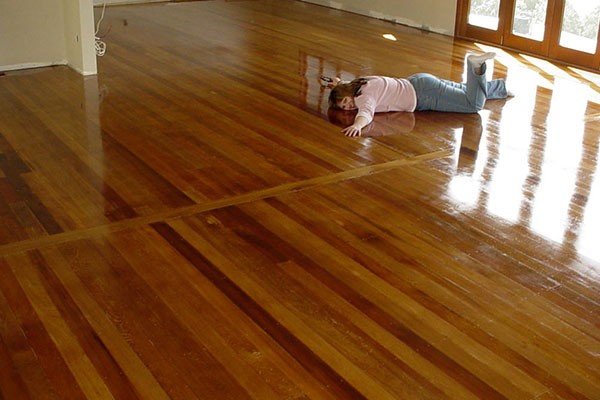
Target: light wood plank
x=191 y=223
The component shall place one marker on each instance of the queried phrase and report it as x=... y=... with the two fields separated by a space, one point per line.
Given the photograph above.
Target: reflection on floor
x=191 y=223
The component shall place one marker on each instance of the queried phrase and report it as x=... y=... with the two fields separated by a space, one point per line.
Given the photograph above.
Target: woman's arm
x=356 y=128
x=366 y=105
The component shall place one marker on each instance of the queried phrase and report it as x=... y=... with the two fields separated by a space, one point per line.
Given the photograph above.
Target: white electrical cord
x=99 y=44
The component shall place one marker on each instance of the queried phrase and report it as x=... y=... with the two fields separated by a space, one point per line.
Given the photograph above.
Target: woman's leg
x=496 y=89
x=434 y=94
x=442 y=95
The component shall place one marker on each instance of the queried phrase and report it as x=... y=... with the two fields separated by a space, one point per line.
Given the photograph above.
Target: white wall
x=79 y=35
x=36 y=33
x=432 y=15
x=31 y=33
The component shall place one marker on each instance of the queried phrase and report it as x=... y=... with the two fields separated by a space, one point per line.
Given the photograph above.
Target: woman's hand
x=330 y=82
x=352 y=130
x=356 y=128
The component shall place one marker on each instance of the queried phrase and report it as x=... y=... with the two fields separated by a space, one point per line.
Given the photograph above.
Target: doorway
x=562 y=30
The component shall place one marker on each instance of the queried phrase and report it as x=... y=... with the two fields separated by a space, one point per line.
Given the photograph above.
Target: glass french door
x=564 y=30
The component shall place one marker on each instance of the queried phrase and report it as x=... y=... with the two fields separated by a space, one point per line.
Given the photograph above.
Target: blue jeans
x=437 y=94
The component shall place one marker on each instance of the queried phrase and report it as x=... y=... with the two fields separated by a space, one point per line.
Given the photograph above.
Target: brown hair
x=341 y=90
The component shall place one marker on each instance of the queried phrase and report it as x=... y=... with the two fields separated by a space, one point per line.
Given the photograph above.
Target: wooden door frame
x=565 y=54
x=463 y=29
x=529 y=45
x=549 y=48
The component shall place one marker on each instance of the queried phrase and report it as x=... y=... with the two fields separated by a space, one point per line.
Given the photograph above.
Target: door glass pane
x=530 y=19
x=484 y=13
x=579 y=29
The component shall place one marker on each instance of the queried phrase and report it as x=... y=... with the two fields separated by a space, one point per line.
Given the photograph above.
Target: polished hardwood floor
x=191 y=224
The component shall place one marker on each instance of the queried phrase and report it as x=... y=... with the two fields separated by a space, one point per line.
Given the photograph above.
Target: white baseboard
x=14 y=67
x=109 y=2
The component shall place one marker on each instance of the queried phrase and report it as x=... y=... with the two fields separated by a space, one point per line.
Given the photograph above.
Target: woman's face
x=347 y=103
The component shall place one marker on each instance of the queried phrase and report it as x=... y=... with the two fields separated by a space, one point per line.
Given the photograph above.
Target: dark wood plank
x=191 y=223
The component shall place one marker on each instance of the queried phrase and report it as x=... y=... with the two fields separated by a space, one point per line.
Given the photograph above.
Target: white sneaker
x=477 y=60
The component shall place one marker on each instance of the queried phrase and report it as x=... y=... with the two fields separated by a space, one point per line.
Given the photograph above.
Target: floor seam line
x=261 y=194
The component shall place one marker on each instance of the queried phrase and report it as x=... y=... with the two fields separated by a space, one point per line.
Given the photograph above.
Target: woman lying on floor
x=419 y=92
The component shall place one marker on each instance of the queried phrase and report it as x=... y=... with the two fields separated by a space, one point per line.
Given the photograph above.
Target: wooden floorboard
x=191 y=223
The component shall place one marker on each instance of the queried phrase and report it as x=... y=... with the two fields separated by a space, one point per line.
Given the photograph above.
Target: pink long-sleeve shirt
x=383 y=94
